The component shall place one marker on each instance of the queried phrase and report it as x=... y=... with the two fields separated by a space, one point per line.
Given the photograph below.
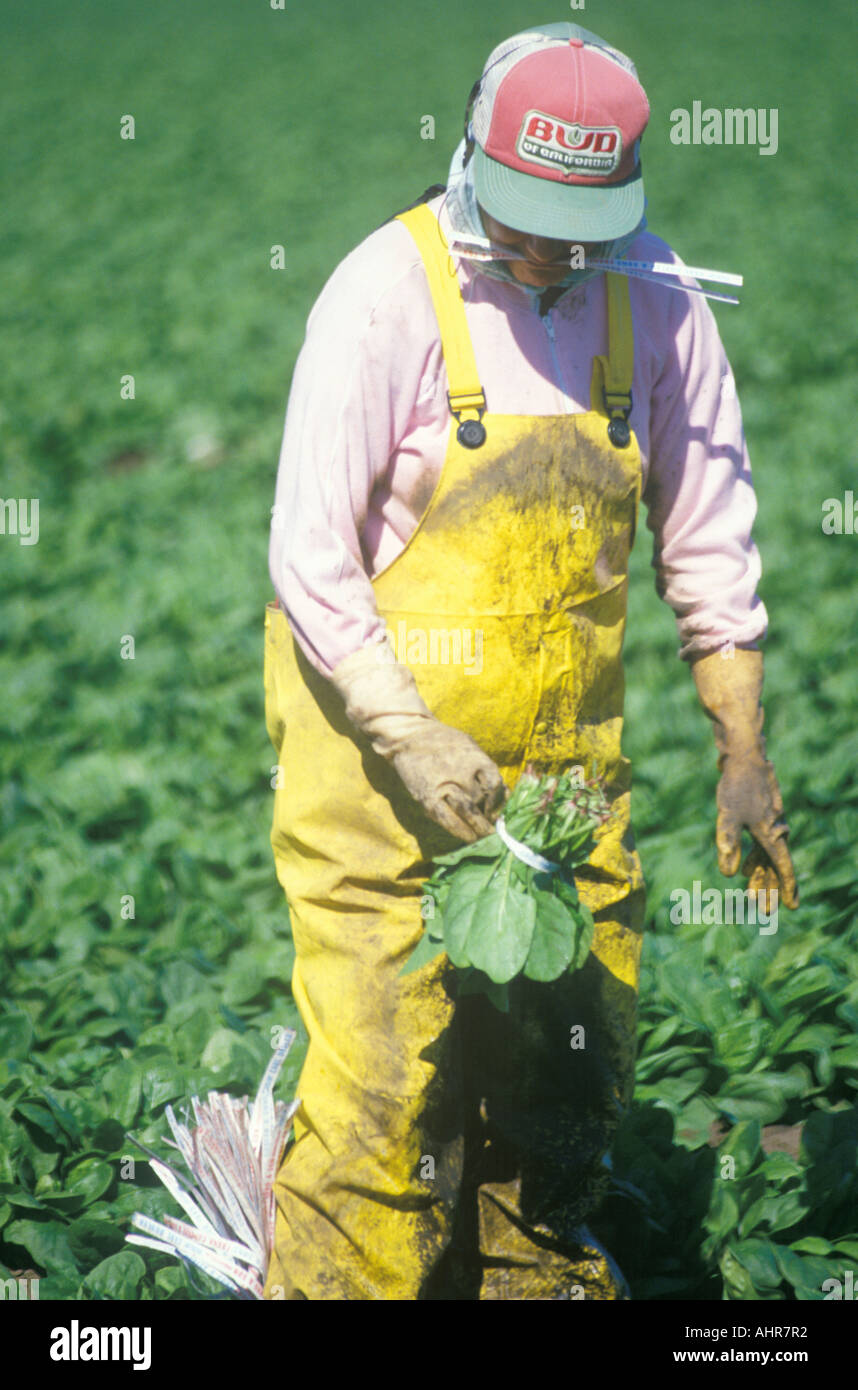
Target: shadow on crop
x=652 y=1218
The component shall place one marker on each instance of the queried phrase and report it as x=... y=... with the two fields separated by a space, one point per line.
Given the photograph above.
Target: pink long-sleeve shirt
x=368 y=422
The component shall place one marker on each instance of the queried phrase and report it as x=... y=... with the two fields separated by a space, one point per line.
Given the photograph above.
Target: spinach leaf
x=500 y=928
x=554 y=938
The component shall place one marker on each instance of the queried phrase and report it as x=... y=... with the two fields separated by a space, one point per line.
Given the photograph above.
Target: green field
x=149 y=777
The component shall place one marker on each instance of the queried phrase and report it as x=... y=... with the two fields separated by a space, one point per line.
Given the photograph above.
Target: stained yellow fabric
x=465 y=392
x=443 y=1150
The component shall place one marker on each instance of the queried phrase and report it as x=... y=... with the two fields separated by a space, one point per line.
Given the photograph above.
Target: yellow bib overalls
x=445 y=1150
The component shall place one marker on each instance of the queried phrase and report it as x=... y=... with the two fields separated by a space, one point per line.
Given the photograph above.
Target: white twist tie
x=522 y=852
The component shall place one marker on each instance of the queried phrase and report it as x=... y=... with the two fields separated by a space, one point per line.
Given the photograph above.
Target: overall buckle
x=618 y=404
x=471 y=433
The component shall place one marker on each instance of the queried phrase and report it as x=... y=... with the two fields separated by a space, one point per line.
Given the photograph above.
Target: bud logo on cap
x=573 y=148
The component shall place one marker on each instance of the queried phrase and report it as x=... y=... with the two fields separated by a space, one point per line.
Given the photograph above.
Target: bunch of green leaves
x=497 y=917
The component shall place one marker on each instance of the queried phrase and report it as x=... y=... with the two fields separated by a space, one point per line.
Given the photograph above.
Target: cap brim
x=563 y=211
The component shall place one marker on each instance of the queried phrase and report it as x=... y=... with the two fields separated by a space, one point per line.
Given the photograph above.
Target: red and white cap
x=557 y=122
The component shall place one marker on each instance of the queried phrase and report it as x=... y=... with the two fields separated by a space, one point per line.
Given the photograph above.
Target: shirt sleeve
x=349 y=405
x=699 y=496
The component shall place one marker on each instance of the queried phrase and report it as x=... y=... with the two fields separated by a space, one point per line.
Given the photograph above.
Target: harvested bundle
x=507 y=904
x=232 y=1156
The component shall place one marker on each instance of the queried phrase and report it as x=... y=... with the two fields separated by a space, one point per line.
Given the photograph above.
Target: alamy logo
x=714 y=906
x=575 y=149
x=840 y=516
x=832 y=1288
x=76 y=1343
x=20 y=1287
x=732 y=126
x=19 y=516
x=422 y=646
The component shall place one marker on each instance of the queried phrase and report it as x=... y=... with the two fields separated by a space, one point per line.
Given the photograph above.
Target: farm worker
x=465 y=446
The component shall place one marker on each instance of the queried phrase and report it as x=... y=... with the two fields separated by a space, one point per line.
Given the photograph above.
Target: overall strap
x=611 y=384
x=465 y=395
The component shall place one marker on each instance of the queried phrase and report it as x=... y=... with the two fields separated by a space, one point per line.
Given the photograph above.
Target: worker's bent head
x=554 y=129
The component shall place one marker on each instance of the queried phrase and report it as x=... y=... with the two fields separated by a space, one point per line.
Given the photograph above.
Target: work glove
x=748 y=794
x=455 y=782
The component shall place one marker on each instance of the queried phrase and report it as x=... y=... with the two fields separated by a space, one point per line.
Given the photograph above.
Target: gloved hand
x=451 y=777
x=748 y=794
